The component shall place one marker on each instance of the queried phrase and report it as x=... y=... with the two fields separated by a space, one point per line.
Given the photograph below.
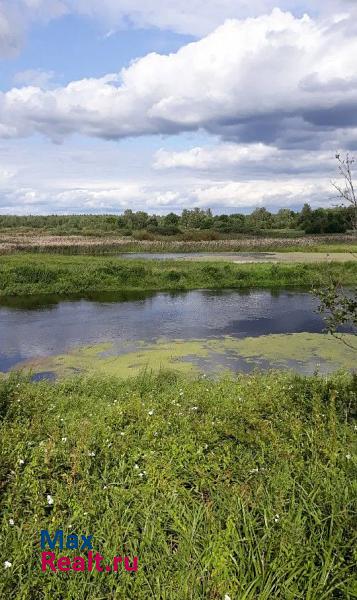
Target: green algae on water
x=303 y=352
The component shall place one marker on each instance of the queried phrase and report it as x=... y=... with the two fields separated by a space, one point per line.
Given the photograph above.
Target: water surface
x=38 y=327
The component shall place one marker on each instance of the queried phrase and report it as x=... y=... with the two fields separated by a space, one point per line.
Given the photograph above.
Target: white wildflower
x=11 y=522
x=91 y=453
x=21 y=462
x=151 y=412
x=50 y=500
x=194 y=408
x=7 y=564
x=277 y=518
x=64 y=439
x=136 y=466
x=348 y=456
x=227 y=597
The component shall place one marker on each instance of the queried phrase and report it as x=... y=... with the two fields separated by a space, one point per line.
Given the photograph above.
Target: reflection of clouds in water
x=172 y=315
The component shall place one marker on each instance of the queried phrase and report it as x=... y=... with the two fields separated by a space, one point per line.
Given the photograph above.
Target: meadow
x=96 y=243
x=235 y=487
x=238 y=488
x=53 y=274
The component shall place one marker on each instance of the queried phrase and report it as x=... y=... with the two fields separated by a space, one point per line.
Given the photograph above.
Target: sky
x=163 y=105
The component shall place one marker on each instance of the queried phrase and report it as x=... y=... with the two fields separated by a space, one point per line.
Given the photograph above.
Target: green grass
x=247 y=486
x=45 y=274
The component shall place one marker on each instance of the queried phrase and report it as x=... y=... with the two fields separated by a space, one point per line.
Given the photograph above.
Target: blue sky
x=74 y=48
x=161 y=106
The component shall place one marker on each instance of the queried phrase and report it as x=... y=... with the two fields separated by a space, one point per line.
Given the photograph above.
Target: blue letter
x=87 y=542
x=46 y=539
x=72 y=542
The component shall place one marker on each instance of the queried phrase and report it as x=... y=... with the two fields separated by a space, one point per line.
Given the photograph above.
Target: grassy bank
x=45 y=274
x=80 y=244
x=242 y=487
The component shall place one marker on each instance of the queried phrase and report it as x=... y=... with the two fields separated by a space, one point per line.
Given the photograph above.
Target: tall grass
x=109 y=244
x=241 y=487
x=21 y=275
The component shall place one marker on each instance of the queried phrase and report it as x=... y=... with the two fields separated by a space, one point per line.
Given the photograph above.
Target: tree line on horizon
x=318 y=221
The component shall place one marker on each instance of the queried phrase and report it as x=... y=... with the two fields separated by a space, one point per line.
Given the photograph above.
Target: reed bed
x=110 y=244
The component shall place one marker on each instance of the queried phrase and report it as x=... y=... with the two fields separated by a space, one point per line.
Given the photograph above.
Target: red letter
x=127 y=564
x=97 y=559
x=48 y=561
x=90 y=561
x=64 y=563
x=78 y=564
x=117 y=559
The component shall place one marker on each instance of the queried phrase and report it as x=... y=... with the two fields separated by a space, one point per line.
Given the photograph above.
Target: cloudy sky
x=160 y=105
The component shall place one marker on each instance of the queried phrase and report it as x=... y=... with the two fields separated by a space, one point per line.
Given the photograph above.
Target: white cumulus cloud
x=274 y=78
x=197 y=18
x=218 y=157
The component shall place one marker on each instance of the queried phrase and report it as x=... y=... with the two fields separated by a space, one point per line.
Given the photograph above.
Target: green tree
x=261 y=218
x=194 y=219
x=305 y=216
x=171 y=219
x=285 y=219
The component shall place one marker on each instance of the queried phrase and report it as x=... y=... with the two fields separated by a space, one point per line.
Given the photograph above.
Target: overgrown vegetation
x=106 y=244
x=36 y=274
x=339 y=309
x=242 y=487
x=192 y=224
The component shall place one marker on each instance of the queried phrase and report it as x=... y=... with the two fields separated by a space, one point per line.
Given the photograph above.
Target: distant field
x=80 y=244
